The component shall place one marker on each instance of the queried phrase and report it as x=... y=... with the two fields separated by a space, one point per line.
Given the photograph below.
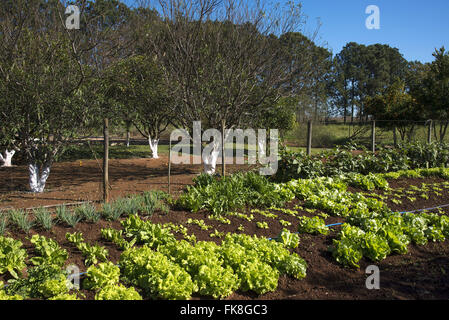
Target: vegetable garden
x=307 y=233
x=206 y=74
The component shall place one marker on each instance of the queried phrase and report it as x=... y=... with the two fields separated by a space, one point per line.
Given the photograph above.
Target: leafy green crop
x=204 y=264
x=93 y=253
x=116 y=237
x=230 y=193
x=117 y=292
x=366 y=182
x=313 y=225
x=348 y=249
x=53 y=287
x=64 y=296
x=5 y=296
x=375 y=236
x=330 y=163
x=43 y=282
x=12 y=256
x=102 y=275
x=288 y=239
x=262 y=225
x=146 y=232
x=156 y=274
x=49 y=250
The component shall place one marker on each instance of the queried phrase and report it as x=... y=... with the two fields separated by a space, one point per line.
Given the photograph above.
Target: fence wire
x=329 y=134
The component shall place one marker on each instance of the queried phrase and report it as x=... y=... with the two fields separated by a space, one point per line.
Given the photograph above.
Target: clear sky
x=415 y=27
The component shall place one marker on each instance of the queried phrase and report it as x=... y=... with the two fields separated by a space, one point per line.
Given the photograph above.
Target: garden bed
x=419 y=274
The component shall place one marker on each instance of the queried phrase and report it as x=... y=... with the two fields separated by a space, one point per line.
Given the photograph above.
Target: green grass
x=84 y=152
x=314 y=150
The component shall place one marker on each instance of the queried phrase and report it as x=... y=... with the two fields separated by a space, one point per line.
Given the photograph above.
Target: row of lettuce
x=154 y=265
x=370 y=230
x=242 y=190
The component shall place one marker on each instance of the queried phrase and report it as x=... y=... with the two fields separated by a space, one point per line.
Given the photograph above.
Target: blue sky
x=415 y=27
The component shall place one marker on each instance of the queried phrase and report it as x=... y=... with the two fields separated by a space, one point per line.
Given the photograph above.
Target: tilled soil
x=422 y=273
x=81 y=180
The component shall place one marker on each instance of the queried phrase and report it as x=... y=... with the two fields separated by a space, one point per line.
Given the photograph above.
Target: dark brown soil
x=82 y=181
x=422 y=273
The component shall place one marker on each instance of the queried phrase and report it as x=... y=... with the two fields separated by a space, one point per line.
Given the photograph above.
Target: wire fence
x=328 y=134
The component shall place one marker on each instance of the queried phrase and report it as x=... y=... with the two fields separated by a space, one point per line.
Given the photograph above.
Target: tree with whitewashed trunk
x=222 y=60
x=7 y=133
x=6 y=158
x=41 y=79
x=138 y=86
x=281 y=116
x=42 y=104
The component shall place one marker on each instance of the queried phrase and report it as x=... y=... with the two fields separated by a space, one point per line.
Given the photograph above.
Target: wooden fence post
x=106 y=161
x=223 y=166
x=395 y=136
x=169 y=166
x=373 y=136
x=309 y=137
x=429 y=132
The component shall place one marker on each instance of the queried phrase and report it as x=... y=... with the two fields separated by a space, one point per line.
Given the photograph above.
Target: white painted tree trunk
x=7 y=158
x=210 y=159
x=128 y=137
x=38 y=179
x=153 y=146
